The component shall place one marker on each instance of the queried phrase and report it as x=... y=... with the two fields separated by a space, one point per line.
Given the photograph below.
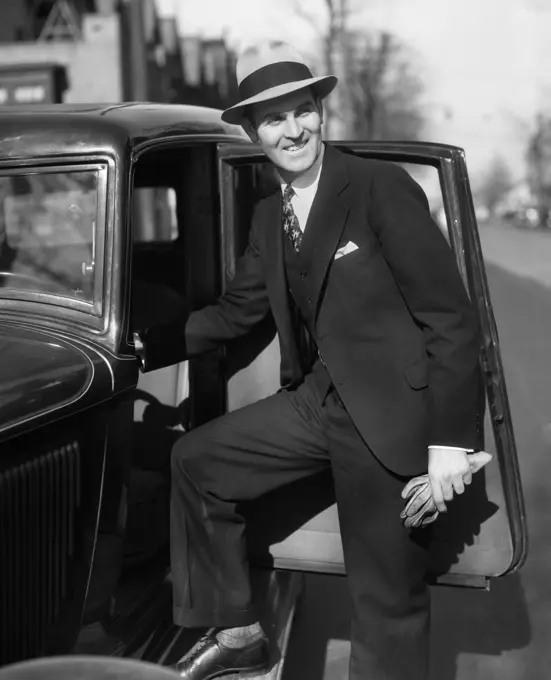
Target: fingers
x=478 y=460
x=430 y=519
x=417 y=501
x=458 y=485
x=420 y=505
x=413 y=484
x=438 y=495
x=447 y=490
x=414 y=521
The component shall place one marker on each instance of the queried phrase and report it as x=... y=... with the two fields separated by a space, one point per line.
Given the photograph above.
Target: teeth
x=296 y=147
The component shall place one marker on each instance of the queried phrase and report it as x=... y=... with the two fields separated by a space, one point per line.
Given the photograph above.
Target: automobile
x=117 y=216
x=527 y=217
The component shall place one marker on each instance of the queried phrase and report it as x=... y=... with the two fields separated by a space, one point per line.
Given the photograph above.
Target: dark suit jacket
x=394 y=324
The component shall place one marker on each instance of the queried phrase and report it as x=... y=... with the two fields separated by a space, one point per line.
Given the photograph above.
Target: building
x=78 y=39
x=106 y=51
x=209 y=72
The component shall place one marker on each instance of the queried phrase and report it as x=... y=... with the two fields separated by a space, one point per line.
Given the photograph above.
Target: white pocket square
x=348 y=248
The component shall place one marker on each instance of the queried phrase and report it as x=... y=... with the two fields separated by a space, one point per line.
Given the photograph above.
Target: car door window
x=428 y=179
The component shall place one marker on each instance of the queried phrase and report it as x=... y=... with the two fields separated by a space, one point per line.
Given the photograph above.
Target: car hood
x=39 y=373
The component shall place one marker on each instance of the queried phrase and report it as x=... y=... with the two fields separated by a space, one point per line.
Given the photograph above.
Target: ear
x=319 y=104
x=250 y=130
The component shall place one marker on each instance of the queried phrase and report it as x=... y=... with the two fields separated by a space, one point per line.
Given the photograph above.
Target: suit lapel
x=326 y=221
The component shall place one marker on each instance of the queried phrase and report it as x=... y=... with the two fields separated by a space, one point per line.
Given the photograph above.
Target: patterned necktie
x=290 y=220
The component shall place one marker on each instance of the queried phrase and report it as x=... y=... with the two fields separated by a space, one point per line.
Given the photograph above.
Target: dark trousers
x=249 y=452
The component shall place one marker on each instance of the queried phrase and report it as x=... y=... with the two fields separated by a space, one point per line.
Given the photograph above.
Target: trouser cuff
x=200 y=618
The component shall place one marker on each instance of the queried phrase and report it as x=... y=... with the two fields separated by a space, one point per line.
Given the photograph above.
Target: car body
x=115 y=214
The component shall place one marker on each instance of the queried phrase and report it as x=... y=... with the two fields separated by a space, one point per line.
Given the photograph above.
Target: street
x=503 y=634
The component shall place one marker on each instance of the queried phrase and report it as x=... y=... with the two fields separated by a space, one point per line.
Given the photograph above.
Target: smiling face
x=289 y=131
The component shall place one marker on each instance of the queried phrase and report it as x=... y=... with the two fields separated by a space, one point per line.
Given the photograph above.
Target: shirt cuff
x=451 y=448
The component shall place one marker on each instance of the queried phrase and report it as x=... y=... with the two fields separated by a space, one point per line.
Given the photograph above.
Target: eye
x=272 y=120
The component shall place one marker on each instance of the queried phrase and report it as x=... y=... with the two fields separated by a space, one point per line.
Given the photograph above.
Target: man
x=349 y=244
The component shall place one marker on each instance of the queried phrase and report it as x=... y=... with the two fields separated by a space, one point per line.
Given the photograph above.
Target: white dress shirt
x=305 y=187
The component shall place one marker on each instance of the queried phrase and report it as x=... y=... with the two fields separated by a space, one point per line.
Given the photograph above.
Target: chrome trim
x=106 y=362
x=140 y=350
x=63 y=405
x=189 y=140
x=452 y=207
x=90 y=343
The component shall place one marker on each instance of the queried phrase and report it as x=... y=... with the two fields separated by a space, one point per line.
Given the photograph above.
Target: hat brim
x=322 y=85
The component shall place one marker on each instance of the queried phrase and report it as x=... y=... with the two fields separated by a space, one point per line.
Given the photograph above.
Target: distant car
x=116 y=216
x=528 y=217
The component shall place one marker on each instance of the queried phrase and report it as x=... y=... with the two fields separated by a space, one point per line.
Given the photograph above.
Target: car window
x=47 y=232
x=155 y=219
x=428 y=179
x=253 y=180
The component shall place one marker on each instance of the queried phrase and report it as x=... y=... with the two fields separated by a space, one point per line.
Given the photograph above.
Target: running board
x=143 y=630
x=281 y=595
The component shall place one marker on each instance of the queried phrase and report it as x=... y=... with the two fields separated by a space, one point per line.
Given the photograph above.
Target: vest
x=296 y=269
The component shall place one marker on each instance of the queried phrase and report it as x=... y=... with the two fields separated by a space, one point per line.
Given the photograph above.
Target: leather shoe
x=209 y=658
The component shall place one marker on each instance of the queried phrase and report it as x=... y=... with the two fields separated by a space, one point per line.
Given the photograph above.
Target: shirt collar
x=308 y=181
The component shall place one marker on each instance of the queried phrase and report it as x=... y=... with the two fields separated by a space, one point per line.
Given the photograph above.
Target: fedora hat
x=272 y=70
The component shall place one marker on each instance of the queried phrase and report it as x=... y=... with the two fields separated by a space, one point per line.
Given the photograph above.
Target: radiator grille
x=39 y=500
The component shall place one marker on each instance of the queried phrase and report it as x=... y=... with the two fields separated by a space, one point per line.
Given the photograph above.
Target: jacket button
x=310 y=300
x=303 y=275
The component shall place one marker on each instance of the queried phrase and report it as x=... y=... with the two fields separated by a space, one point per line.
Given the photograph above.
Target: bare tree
x=538 y=157
x=379 y=94
x=331 y=34
x=495 y=185
x=384 y=92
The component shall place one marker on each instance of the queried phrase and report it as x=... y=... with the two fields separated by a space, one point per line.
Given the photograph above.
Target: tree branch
x=310 y=18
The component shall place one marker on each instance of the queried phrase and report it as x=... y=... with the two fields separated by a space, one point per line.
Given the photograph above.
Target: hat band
x=272 y=75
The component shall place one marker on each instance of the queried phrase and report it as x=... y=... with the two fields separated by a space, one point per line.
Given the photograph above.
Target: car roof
x=65 y=129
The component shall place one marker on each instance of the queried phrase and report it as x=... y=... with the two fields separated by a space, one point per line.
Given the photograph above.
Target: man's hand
x=420 y=508
x=449 y=472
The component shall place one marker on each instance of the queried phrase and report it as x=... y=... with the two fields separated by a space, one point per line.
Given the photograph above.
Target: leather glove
x=420 y=510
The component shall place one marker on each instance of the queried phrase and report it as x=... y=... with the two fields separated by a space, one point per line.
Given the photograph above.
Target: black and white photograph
x=275 y=314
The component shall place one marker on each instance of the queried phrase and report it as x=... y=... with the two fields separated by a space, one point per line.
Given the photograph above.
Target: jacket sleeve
x=426 y=273
x=244 y=304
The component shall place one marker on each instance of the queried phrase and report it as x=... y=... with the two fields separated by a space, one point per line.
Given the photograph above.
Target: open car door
x=483 y=535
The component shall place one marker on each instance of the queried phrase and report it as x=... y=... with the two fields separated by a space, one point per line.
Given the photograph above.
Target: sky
x=485 y=64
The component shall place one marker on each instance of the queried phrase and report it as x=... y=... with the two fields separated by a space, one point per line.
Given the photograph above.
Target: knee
x=189 y=453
